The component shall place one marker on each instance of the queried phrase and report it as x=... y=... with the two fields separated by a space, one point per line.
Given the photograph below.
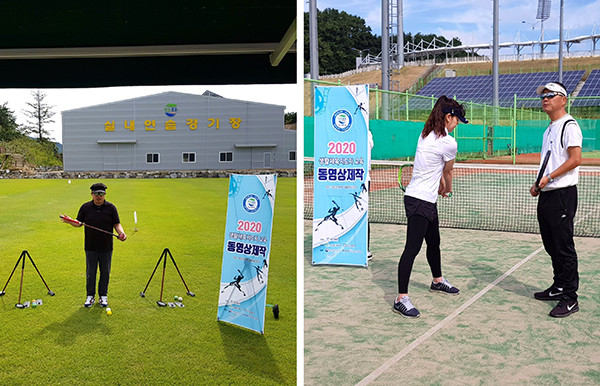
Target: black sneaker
x=564 y=308
x=552 y=293
x=405 y=308
x=444 y=287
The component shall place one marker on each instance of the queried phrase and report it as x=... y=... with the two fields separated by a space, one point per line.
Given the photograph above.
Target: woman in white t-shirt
x=432 y=176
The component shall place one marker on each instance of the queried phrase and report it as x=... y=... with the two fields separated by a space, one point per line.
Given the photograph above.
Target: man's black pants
x=555 y=211
x=95 y=260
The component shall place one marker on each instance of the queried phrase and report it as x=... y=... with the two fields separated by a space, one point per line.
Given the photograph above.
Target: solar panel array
x=478 y=89
x=590 y=88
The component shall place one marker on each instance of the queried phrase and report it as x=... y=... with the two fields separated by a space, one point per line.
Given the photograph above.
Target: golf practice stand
x=164 y=255
x=22 y=257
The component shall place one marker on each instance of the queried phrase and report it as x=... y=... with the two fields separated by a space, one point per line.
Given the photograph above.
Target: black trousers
x=95 y=260
x=423 y=224
x=555 y=212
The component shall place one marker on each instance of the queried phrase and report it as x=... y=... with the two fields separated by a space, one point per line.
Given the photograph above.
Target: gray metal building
x=177 y=131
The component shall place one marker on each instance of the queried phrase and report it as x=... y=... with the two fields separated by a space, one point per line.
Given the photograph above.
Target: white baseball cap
x=552 y=87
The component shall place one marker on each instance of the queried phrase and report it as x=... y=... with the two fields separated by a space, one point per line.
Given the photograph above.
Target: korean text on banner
x=341 y=158
x=246 y=250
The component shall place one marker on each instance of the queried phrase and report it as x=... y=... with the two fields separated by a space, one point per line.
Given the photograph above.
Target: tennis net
x=487 y=197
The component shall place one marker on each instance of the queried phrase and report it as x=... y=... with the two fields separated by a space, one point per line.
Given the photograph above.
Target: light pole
x=532 y=36
x=359 y=59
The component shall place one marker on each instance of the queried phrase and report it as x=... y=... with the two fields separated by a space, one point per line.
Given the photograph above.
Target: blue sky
x=471 y=20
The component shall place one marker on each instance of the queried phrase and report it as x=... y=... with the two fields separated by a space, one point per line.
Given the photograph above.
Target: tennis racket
x=542 y=170
x=404 y=176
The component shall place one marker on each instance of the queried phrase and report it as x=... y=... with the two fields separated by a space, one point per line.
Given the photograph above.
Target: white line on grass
x=390 y=362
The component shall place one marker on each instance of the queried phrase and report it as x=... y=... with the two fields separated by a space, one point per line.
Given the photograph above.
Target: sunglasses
x=99 y=194
x=549 y=95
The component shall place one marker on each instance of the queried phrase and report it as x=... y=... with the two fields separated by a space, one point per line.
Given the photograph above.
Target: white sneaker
x=369 y=255
x=103 y=301
x=89 y=301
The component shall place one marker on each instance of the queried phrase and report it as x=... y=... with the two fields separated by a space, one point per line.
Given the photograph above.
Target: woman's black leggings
x=419 y=228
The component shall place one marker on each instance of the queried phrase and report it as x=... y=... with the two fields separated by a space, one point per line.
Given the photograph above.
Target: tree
x=9 y=129
x=289 y=118
x=40 y=115
x=341 y=39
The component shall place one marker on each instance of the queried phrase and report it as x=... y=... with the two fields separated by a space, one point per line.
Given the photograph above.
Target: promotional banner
x=341 y=197
x=246 y=250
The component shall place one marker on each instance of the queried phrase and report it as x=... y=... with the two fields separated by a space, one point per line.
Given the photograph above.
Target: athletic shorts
x=415 y=206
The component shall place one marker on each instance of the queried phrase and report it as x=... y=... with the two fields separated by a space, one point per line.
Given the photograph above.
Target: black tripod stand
x=164 y=254
x=22 y=257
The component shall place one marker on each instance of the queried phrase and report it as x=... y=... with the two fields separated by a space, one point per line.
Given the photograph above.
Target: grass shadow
x=82 y=322
x=249 y=350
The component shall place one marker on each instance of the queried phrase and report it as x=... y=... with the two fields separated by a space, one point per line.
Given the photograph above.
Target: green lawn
x=61 y=342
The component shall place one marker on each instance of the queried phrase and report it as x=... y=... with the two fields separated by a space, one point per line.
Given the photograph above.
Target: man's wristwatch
x=550 y=179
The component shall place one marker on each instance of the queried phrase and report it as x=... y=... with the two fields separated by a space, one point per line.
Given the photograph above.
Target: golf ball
x=109 y=312
x=176 y=298
x=180 y=299
x=33 y=304
x=69 y=181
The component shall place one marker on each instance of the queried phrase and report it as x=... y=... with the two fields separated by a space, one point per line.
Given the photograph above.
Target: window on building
x=152 y=158
x=189 y=158
x=292 y=155
x=226 y=156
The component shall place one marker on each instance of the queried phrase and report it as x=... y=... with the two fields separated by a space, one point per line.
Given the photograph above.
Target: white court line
x=390 y=362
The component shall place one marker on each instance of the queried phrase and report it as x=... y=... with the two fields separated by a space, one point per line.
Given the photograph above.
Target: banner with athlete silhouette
x=341 y=197
x=246 y=251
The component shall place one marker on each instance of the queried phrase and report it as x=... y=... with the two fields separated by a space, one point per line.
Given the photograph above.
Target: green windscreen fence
x=398 y=139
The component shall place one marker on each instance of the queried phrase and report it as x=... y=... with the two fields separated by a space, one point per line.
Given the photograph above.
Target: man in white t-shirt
x=557 y=202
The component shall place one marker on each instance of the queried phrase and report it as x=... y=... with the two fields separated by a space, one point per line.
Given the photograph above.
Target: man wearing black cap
x=98 y=245
x=557 y=202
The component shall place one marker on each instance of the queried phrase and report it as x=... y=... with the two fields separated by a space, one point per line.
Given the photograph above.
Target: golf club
x=22 y=257
x=164 y=254
x=65 y=217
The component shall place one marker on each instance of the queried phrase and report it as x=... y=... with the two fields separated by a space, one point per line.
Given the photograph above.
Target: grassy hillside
x=32 y=152
x=408 y=75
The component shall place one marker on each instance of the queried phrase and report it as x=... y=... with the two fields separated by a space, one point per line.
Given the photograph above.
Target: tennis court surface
x=494 y=332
